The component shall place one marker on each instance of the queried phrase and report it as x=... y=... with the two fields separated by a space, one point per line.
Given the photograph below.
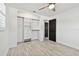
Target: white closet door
x=27 y=28
x=20 y=29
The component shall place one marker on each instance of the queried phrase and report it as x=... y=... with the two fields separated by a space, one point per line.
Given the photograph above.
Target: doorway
x=52 y=30
x=20 y=29
x=46 y=29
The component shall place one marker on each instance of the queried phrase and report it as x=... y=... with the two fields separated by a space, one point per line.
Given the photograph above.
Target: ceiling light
x=51 y=6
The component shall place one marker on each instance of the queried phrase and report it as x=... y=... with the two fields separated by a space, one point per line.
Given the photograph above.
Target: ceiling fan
x=51 y=6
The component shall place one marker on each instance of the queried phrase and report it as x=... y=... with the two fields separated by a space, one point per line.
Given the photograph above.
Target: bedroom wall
x=12 y=26
x=3 y=37
x=68 y=27
x=9 y=35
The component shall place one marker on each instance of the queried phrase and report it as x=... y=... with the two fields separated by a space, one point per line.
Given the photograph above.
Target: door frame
x=48 y=28
x=45 y=28
x=55 y=30
x=23 y=28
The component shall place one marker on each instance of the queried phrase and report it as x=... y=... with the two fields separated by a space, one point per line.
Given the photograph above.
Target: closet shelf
x=35 y=30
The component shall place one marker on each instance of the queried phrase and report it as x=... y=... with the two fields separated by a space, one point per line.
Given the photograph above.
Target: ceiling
x=60 y=7
x=33 y=7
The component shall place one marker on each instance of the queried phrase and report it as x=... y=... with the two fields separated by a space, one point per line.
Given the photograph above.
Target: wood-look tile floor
x=45 y=48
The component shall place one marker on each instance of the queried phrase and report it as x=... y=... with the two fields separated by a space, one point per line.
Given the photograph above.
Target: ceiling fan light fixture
x=51 y=6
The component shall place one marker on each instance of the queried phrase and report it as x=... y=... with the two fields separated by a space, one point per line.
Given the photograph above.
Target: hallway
x=45 y=48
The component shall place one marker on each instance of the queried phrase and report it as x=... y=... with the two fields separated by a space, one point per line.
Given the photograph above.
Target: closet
x=30 y=29
x=35 y=29
x=27 y=28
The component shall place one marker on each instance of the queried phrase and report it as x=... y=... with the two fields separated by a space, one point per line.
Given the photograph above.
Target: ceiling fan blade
x=43 y=7
x=48 y=6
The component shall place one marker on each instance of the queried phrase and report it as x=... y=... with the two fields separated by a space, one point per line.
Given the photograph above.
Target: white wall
x=68 y=27
x=8 y=37
x=4 y=40
x=12 y=26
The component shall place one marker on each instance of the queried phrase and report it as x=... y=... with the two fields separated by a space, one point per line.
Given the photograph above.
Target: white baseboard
x=68 y=45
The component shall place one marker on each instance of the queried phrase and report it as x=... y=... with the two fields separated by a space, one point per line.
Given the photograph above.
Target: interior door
x=20 y=31
x=52 y=30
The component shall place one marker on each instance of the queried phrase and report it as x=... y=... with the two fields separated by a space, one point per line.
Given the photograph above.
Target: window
x=2 y=16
